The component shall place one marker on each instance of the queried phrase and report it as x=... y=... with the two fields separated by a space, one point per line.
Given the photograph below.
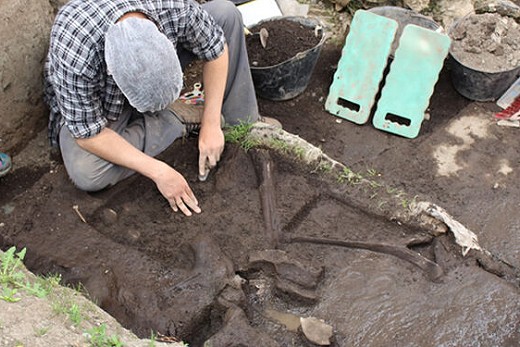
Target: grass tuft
x=12 y=278
x=97 y=337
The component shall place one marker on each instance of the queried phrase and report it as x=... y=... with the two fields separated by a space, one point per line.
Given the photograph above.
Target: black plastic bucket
x=479 y=85
x=476 y=84
x=288 y=79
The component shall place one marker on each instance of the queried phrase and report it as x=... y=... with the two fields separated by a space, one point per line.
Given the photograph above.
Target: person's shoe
x=270 y=121
x=189 y=115
x=5 y=164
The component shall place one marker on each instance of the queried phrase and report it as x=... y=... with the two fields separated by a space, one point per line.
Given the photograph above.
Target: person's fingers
x=183 y=207
x=186 y=203
x=192 y=196
x=192 y=204
x=212 y=161
x=189 y=198
x=173 y=205
x=202 y=164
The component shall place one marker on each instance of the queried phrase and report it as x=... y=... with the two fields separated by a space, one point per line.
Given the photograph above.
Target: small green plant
x=153 y=338
x=35 y=289
x=12 y=278
x=98 y=337
x=59 y=307
x=299 y=152
x=75 y=314
x=406 y=203
x=323 y=166
x=50 y=282
x=10 y=273
x=248 y=143
x=287 y=148
x=279 y=145
x=372 y=173
x=42 y=331
x=237 y=133
x=8 y=294
x=64 y=304
x=390 y=190
x=374 y=184
x=347 y=175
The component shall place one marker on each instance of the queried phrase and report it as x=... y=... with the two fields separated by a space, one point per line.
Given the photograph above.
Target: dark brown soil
x=195 y=278
x=286 y=39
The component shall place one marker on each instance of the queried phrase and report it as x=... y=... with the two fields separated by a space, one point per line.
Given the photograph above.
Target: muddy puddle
x=236 y=276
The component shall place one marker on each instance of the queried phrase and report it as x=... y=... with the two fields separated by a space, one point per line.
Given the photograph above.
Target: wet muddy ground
x=216 y=276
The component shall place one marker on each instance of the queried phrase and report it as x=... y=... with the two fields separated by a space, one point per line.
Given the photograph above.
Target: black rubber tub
x=476 y=84
x=288 y=79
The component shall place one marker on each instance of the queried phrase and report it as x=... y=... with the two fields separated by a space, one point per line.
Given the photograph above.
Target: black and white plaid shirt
x=78 y=90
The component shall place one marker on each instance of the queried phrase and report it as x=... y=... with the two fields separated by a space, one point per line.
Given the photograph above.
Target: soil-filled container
x=282 y=64
x=484 y=55
x=403 y=17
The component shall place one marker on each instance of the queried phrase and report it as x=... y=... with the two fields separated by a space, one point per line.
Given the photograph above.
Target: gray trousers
x=152 y=134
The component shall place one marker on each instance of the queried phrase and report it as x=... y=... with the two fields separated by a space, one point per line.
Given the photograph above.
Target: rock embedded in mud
x=316 y=330
x=232 y=295
x=299 y=272
x=109 y=216
x=133 y=234
x=296 y=292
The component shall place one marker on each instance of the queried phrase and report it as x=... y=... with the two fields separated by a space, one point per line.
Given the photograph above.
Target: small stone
x=296 y=292
x=299 y=271
x=134 y=234
x=316 y=330
x=109 y=216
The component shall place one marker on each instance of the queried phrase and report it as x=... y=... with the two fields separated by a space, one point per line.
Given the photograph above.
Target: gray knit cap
x=144 y=64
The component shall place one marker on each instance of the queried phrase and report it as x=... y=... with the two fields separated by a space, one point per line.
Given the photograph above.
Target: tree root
x=432 y=269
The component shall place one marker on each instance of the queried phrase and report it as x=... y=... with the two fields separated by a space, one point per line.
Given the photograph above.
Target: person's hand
x=176 y=190
x=211 y=146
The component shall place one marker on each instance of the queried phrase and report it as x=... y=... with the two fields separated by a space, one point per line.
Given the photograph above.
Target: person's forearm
x=111 y=147
x=214 y=78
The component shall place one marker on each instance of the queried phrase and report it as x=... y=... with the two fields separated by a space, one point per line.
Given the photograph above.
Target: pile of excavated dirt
x=487 y=42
